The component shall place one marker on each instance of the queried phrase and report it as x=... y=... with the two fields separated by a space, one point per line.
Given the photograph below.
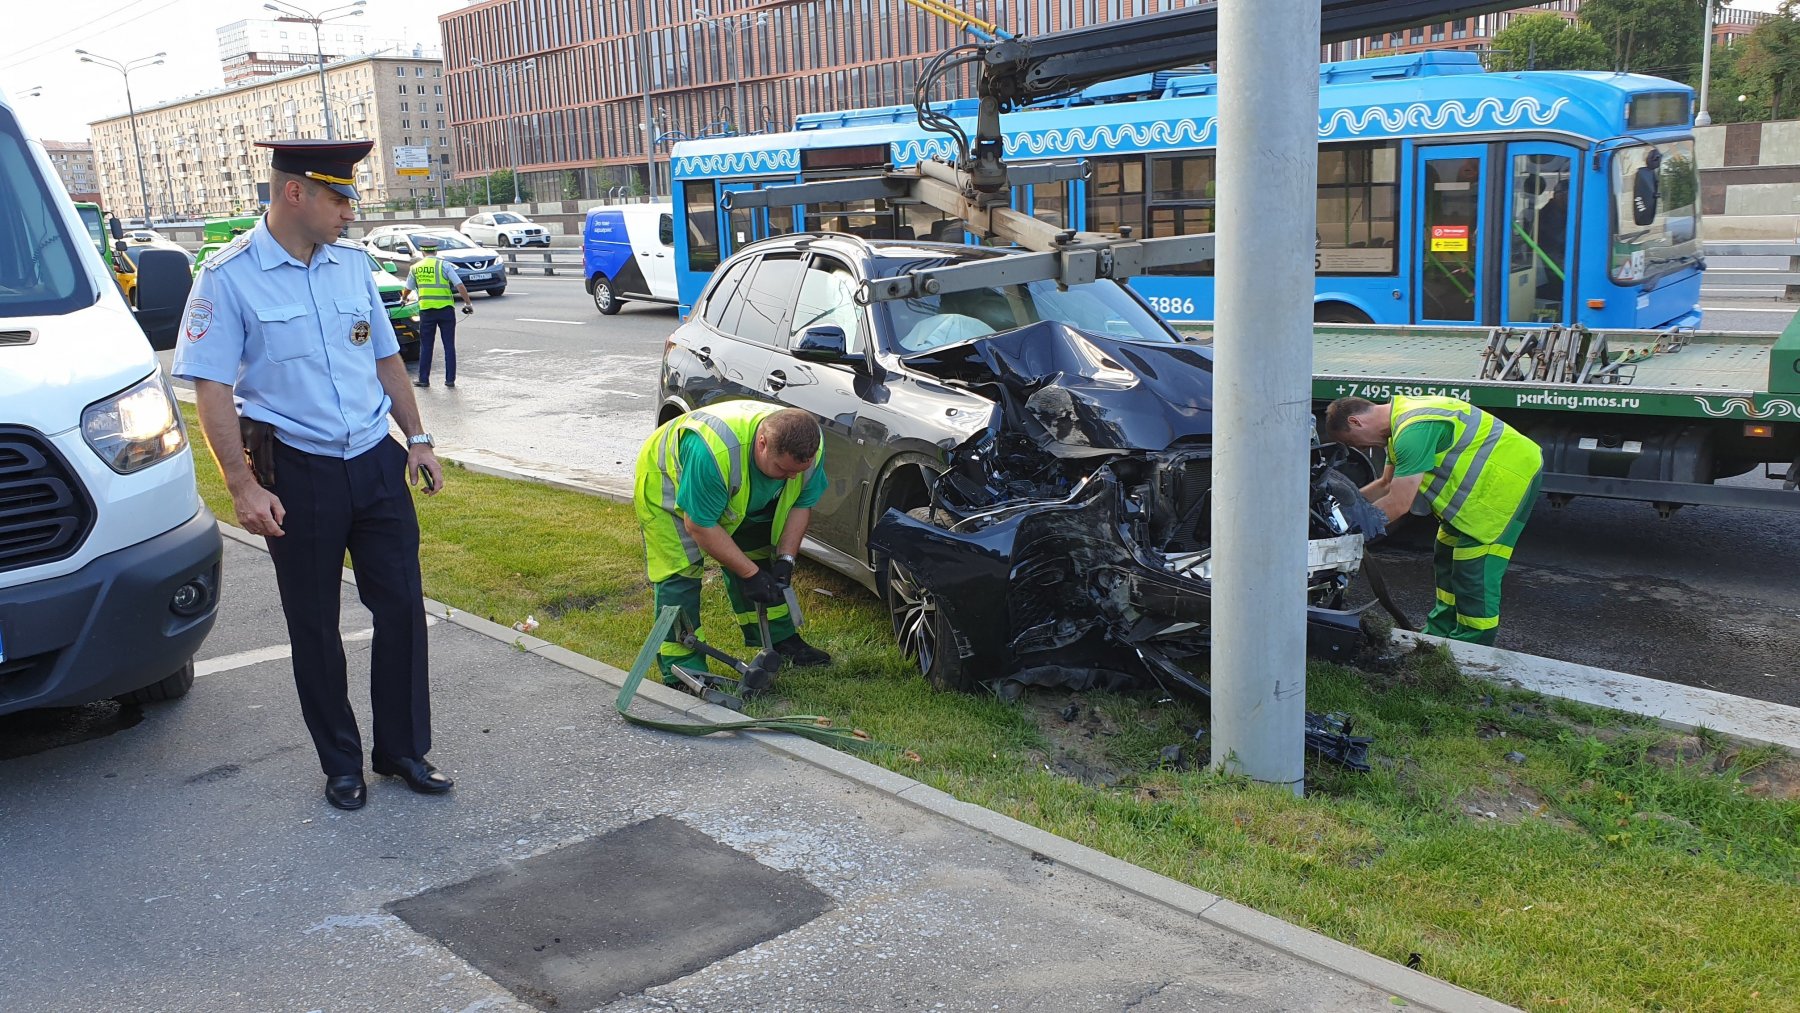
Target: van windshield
x=41 y=271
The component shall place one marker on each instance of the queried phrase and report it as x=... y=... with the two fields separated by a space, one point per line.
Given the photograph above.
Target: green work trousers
x=1468 y=573
x=684 y=592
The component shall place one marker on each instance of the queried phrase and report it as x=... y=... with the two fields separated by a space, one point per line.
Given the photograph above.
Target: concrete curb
x=1416 y=989
x=1672 y=704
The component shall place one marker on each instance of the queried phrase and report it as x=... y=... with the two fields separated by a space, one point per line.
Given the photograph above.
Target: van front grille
x=45 y=513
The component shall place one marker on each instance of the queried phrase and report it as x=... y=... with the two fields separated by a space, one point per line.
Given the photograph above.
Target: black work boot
x=800 y=654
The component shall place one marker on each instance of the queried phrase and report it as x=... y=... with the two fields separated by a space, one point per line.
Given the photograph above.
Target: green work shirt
x=1416 y=451
x=702 y=495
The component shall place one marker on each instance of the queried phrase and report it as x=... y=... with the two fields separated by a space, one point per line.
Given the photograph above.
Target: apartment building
x=199 y=153
x=74 y=162
x=256 y=48
x=1470 y=33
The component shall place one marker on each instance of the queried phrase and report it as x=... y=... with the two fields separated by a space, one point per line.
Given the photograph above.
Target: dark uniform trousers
x=361 y=505
x=432 y=323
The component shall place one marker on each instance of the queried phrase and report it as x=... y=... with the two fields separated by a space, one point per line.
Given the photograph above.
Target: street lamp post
x=1703 y=117
x=350 y=10
x=510 y=71
x=733 y=54
x=137 y=149
x=649 y=116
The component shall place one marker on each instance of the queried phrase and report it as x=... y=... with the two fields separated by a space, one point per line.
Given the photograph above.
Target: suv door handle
x=704 y=354
x=775 y=381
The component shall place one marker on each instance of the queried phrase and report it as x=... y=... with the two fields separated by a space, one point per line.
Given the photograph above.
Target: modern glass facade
x=568 y=78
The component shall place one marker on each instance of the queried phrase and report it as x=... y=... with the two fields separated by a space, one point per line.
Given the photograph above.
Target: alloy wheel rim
x=914 y=616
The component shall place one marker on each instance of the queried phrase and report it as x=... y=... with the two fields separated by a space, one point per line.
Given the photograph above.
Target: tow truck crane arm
x=1016 y=71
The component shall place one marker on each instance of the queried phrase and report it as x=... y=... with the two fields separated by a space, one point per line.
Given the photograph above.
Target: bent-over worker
x=1480 y=476
x=737 y=482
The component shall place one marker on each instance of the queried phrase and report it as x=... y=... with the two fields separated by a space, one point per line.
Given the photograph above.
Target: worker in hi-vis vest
x=1480 y=477
x=433 y=280
x=734 y=481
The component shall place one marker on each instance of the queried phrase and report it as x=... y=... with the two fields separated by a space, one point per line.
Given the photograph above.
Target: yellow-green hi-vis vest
x=1474 y=486
x=729 y=430
x=434 y=289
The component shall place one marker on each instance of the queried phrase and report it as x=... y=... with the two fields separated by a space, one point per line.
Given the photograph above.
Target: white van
x=628 y=255
x=109 y=562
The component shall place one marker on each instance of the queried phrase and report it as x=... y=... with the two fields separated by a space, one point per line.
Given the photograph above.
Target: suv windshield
x=1642 y=252
x=449 y=241
x=40 y=263
x=1100 y=307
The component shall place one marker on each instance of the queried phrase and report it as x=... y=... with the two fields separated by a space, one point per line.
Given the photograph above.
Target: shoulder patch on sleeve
x=230 y=250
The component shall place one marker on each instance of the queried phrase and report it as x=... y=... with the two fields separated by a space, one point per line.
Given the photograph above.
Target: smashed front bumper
x=1058 y=594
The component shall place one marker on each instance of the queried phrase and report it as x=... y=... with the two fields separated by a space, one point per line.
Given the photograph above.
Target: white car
x=503 y=228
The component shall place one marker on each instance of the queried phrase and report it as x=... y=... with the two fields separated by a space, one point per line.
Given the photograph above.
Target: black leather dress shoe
x=419 y=775
x=346 y=791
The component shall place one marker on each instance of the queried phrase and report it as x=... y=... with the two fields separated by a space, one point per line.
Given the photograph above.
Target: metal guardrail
x=1789 y=279
x=547 y=261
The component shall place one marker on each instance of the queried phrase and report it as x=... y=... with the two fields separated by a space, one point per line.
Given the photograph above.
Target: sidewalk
x=189 y=862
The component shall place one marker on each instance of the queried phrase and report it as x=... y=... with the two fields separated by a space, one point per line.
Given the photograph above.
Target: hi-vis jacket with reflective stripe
x=1476 y=485
x=729 y=430
x=434 y=289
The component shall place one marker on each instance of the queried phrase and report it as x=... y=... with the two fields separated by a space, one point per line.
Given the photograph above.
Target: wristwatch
x=422 y=438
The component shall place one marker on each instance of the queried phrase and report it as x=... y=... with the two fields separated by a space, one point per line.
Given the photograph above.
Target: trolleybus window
x=1672 y=239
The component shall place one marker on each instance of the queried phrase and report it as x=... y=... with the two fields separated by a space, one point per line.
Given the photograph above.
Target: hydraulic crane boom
x=1017 y=71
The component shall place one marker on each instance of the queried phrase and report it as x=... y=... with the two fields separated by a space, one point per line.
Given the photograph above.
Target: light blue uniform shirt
x=297 y=342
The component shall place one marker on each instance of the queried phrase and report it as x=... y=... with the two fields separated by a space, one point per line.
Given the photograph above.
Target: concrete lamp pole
x=643 y=62
x=1262 y=385
x=350 y=10
x=1702 y=116
x=137 y=148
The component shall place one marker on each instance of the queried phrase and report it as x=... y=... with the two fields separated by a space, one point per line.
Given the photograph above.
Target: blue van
x=628 y=255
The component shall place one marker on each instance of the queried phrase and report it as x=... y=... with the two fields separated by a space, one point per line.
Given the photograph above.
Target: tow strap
x=811 y=726
x=1378 y=584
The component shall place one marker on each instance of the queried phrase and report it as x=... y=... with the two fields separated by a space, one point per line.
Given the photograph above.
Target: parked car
x=504 y=228
x=402 y=306
x=1022 y=473
x=125 y=264
x=628 y=255
x=480 y=268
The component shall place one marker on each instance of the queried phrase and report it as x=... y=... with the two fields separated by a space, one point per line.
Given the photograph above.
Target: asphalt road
x=1706 y=597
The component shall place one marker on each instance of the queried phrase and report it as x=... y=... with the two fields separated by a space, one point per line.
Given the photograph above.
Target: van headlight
x=135 y=428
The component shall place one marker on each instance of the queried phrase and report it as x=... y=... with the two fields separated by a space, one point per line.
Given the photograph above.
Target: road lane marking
x=541 y=320
x=261 y=655
x=1750 y=309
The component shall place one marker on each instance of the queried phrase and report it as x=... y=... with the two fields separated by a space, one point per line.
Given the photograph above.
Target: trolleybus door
x=1450 y=240
x=1540 y=210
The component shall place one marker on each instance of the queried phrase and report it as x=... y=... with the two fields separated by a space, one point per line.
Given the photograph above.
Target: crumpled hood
x=1080 y=394
x=77 y=359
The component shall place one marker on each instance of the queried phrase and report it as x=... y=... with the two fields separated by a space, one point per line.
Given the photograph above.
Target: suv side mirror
x=825 y=343
x=162 y=292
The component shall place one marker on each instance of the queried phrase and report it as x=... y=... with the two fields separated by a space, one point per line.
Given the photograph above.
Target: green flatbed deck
x=1712 y=376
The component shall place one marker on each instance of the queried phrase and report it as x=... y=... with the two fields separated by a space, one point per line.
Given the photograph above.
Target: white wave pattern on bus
x=1771 y=409
x=738 y=163
x=1193 y=132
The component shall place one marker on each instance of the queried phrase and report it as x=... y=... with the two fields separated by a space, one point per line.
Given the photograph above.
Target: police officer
x=288 y=319
x=433 y=279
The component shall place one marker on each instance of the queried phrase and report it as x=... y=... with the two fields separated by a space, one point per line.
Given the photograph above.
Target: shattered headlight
x=135 y=428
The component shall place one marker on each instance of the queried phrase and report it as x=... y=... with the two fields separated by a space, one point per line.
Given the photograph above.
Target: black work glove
x=763 y=589
x=783 y=568
x=1367 y=518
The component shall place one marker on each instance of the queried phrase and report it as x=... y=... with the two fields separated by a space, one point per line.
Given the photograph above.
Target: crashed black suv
x=1023 y=473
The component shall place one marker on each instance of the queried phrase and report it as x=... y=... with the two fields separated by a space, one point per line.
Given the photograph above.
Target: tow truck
x=1650 y=416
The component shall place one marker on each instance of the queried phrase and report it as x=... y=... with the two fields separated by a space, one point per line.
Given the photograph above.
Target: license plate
x=483 y=276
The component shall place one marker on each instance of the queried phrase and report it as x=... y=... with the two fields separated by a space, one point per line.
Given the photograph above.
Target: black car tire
x=172 y=688
x=409 y=352
x=605 y=299
x=495 y=293
x=921 y=630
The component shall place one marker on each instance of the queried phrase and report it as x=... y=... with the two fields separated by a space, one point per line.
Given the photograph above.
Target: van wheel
x=409 y=352
x=172 y=688
x=605 y=299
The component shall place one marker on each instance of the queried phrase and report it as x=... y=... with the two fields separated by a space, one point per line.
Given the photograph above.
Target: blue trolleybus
x=1447 y=194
